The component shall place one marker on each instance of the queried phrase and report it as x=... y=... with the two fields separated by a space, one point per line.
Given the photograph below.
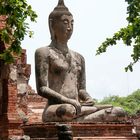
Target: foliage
x=16 y=12
x=131 y=103
x=130 y=34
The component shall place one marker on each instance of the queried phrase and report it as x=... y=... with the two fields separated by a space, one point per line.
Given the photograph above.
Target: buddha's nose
x=69 y=27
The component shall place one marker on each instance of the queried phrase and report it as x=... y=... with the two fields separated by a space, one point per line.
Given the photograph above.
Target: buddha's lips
x=68 y=34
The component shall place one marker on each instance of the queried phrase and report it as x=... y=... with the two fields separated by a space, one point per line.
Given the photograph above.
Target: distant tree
x=131 y=103
x=130 y=34
x=16 y=12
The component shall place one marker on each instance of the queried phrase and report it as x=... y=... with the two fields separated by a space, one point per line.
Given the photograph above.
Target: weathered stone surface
x=35 y=107
x=13 y=73
x=86 y=130
x=136 y=121
x=92 y=138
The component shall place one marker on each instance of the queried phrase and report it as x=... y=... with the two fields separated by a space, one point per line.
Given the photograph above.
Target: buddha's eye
x=72 y=22
x=65 y=22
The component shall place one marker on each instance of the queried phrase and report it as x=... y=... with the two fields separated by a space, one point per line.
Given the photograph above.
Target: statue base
x=81 y=131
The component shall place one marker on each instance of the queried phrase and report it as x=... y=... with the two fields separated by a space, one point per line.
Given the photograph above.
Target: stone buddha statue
x=60 y=77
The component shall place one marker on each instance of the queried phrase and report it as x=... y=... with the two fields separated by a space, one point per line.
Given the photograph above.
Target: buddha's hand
x=88 y=102
x=77 y=105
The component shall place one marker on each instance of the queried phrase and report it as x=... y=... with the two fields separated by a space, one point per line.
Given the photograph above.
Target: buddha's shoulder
x=77 y=56
x=43 y=51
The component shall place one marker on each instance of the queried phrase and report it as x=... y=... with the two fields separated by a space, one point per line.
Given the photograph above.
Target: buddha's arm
x=41 y=68
x=83 y=95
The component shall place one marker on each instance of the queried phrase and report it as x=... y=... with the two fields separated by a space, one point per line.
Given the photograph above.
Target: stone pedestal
x=81 y=131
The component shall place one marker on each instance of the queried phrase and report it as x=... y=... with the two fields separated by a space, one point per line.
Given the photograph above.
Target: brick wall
x=136 y=121
x=80 y=131
x=10 y=79
x=14 y=85
x=36 y=105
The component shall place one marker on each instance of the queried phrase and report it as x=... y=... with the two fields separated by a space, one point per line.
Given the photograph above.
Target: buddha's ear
x=51 y=29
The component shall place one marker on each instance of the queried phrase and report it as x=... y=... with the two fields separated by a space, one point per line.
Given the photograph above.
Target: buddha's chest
x=60 y=64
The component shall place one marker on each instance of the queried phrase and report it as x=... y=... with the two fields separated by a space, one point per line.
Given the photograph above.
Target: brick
x=81 y=130
x=12 y=100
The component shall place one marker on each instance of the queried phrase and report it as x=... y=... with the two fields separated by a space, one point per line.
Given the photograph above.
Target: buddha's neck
x=60 y=46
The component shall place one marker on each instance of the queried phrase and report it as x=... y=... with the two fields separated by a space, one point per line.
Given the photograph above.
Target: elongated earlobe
x=51 y=29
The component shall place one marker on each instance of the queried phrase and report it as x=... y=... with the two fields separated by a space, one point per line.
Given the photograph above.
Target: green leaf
x=7 y=57
x=5 y=36
x=129 y=34
x=17 y=11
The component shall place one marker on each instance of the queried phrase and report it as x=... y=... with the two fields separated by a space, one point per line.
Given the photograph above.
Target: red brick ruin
x=20 y=105
x=16 y=95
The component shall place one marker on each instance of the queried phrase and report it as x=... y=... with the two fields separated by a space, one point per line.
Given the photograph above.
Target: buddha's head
x=61 y=23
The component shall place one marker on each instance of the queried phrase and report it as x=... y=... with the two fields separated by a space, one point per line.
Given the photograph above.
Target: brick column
x=13 y=89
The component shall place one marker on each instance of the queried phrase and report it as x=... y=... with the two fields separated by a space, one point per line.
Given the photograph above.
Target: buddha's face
x=63 y=28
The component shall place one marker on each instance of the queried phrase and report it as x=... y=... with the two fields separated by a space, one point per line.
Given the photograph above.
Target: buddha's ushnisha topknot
x=60 y=9
x=61 y=2
x=61 y=6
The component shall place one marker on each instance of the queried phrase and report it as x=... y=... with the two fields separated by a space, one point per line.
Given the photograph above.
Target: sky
x=94 y=21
